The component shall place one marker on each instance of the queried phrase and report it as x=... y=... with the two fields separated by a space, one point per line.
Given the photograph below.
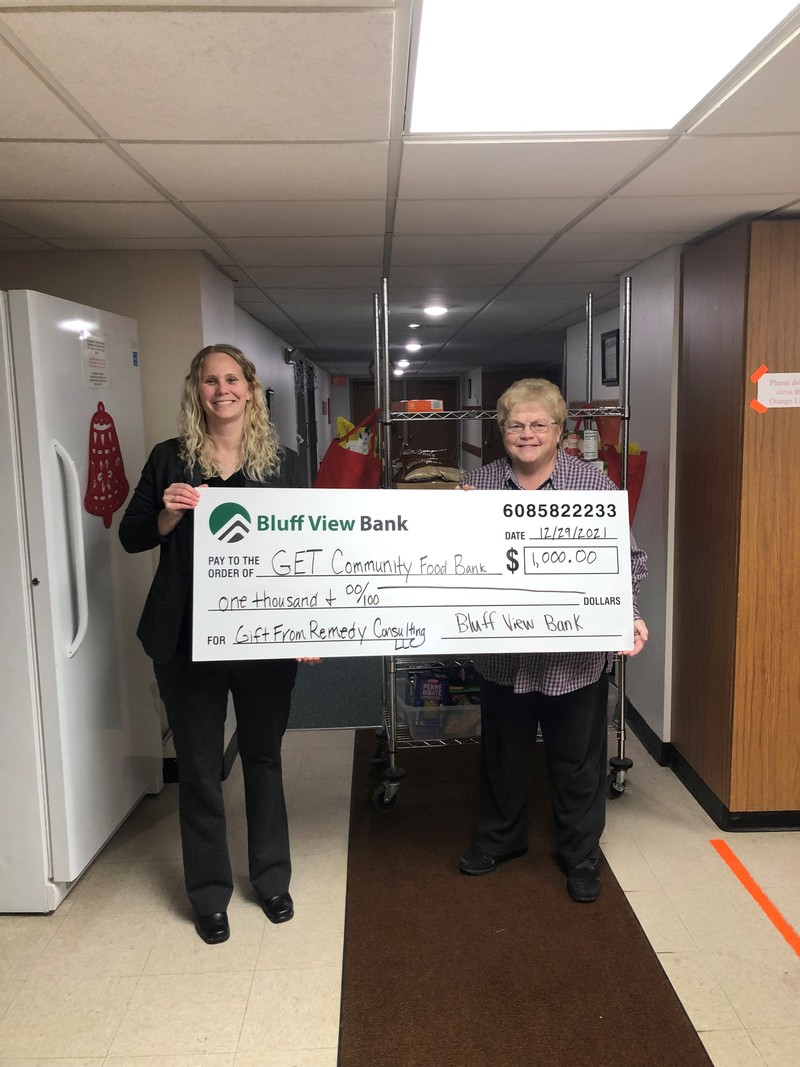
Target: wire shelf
x=436 y=416
x=487 y=414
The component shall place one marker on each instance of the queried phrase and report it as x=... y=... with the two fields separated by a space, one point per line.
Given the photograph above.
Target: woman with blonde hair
x=226 y=439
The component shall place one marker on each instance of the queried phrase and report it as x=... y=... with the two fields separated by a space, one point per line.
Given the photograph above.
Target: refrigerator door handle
x=75 y=518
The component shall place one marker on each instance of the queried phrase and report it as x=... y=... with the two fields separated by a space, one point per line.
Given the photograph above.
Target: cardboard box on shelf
x=427 y=688
x=417 y=405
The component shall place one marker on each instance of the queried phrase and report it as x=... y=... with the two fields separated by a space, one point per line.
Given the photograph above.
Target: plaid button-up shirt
x=551 y=673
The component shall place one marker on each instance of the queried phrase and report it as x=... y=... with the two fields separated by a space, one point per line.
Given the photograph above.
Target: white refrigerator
x=80 y=725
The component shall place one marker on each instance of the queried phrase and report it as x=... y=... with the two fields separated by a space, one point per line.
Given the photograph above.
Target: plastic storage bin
x=444 y=720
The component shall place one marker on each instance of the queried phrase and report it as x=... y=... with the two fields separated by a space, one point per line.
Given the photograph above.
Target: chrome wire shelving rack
x=395 y=734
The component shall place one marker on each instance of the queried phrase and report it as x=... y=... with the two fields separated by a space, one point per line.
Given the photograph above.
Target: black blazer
x=160 y=624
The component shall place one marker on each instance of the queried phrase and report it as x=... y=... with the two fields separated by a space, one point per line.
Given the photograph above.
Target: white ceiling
x=270 y=136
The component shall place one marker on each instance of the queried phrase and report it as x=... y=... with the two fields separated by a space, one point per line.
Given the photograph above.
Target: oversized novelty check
x=364 y=572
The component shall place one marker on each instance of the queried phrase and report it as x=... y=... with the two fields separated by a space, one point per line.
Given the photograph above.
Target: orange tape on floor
x=784 y=928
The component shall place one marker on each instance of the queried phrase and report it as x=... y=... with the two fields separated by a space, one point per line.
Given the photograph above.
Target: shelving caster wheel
x=382 y=802
x=384 y=798
x=615 y=783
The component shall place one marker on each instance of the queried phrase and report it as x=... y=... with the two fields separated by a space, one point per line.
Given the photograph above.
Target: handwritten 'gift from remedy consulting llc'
x=330 y=572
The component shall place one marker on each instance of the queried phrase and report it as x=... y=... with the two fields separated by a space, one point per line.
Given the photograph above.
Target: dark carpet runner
x=502 y=970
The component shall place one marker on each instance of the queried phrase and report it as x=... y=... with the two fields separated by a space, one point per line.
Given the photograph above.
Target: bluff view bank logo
x=229 y=523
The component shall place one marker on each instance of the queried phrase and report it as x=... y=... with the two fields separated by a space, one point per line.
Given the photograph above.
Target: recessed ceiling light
x=403 y=363
x=413 y=325
x=435 y=310
x=398 y=371
x=474 y=74
x=413 y=347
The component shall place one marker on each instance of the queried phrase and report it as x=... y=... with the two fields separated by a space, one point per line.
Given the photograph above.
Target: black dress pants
x=195 y=696
x=575 y=734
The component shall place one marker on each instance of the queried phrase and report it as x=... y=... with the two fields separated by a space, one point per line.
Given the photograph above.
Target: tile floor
x=116 y=977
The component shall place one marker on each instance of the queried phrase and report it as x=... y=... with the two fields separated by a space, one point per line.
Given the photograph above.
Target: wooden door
x=436 y=433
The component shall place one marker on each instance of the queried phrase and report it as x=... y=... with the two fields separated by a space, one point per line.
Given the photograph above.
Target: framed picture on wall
x=609 y=357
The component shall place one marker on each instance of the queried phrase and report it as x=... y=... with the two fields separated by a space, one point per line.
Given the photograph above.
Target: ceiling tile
x=292 y=218
x=11 y=231
x=765 y=103
x=326 y=315
x=348 y=347
x=52 y=219
x=67 y=171
x=307 y=251
x=316 y=277
x=471 y=212
x=232 y=4
x=266 y=311
x=259 y=307
x=588 y=274
x=349 y=296
x=246 y=291
x=517 y=315
x=29 y=108
x=791 y=211
x=452 y=170
x=642 y=214
x=630 y=247
x=408 y=299
x=570 y=293
x=466 y=249
x=727 y=165
x=434 y=277
x=199 y=244
x=241 y=75
x=23 y=244
x=267 y=172
x=544 y=215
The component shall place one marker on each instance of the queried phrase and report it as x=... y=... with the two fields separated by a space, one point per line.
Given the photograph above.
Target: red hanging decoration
x=107 y=489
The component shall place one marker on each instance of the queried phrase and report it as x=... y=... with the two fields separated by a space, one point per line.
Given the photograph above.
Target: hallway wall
x=655 y=310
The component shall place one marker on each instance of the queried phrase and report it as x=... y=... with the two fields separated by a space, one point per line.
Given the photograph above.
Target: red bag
x=636 y=468
x=608 y=426
x=341 y=468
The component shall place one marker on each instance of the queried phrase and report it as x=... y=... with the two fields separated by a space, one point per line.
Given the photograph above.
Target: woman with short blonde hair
x=533 y=392
x=564 y=693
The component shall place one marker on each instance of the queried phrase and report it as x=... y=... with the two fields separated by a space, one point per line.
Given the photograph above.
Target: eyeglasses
x=516 y=428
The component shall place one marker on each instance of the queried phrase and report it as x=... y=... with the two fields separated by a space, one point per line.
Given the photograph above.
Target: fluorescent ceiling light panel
x=526 y=66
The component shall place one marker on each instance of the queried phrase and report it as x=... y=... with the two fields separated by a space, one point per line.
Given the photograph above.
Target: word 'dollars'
x=324 y=524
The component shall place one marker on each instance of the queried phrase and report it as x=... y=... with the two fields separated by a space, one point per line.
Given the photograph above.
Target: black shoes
x=476 y=862
x=583 y=882
x=213 y=929
x=279 y=909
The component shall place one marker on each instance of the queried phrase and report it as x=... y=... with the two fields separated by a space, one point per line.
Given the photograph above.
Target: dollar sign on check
x=512 y=564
